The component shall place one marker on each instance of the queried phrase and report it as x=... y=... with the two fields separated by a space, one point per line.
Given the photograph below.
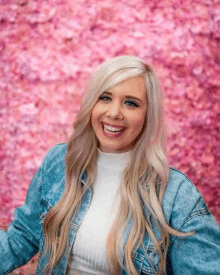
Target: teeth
x=108 y=131
x=113 y=129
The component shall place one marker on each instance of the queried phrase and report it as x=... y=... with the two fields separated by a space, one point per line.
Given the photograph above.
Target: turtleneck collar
x=113 y=158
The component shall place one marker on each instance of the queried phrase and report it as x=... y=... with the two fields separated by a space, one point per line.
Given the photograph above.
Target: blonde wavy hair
x=143 y=180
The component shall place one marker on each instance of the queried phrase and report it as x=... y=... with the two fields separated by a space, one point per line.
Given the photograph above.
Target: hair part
x=143 y=181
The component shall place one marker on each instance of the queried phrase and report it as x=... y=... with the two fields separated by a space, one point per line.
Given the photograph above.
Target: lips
x=112 y=134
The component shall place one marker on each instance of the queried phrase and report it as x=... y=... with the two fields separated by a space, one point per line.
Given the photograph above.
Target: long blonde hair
x=143 y=180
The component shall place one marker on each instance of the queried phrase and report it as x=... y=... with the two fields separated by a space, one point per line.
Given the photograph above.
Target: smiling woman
x=108 y=202
x=118 y=121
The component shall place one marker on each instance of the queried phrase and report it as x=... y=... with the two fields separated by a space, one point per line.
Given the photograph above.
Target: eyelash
x=134 y=103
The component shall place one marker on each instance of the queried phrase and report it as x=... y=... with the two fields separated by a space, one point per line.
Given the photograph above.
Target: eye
x=129 y=102
x=132 y=103
x=104 y=97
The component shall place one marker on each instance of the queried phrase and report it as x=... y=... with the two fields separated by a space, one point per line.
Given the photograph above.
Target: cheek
x=96 y=110
x=137 y=120
x=95 y=116
x=137 y=129
x=138 y=124
x=93 y=121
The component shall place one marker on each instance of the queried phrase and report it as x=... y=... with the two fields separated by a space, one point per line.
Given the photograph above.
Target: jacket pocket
x=146 y=260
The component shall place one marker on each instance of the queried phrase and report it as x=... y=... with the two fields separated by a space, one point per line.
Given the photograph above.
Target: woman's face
x=119 y=114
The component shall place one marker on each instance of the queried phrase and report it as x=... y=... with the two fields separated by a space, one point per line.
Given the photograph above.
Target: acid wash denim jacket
x=183 y=206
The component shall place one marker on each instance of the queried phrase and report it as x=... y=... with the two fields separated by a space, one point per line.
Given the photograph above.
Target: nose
x=115 y=110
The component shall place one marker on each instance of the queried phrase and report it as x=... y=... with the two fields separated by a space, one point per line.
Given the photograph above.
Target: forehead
x=133 y=86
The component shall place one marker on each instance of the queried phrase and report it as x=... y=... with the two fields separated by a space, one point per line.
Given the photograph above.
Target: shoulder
x=54 y=157
x=56 y=153
x=178 y=183
x=181 y=200
x=180 y=186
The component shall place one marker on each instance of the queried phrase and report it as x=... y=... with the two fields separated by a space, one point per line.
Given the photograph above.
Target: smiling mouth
x=113 y=126
x=108 y=129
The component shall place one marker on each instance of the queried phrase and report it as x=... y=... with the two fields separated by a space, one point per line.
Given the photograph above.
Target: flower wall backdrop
x=48 y=51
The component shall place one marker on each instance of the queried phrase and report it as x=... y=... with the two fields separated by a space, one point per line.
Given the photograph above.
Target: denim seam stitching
x=197 y=213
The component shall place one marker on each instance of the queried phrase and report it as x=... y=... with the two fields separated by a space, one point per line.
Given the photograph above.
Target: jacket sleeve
x=21 y=240
x=200 y=253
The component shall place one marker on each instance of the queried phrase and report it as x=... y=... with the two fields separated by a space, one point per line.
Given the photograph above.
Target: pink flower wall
x=48 y=51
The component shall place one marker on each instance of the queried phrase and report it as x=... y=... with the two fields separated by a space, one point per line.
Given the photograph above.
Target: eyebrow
x=127 y=96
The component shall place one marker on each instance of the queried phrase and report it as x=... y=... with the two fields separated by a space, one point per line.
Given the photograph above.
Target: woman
x=107 y=202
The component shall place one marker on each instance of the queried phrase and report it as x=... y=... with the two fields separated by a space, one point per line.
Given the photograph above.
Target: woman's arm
x=21 y=240
x=200 y=253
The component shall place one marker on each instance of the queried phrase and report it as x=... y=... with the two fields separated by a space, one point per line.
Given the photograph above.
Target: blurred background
x=49 y=50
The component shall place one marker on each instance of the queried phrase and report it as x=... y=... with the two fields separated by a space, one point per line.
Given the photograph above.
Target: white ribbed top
x=88 y=254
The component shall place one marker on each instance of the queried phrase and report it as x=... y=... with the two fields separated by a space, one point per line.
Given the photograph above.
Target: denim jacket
x=183 y=206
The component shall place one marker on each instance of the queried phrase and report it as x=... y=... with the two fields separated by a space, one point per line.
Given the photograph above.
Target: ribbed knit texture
x=88 y=253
